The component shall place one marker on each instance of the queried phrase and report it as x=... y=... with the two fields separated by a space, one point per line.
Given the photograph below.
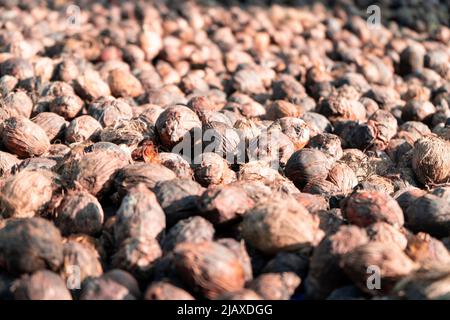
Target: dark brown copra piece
x=28 y=245
x=389 y=261
x=147 y=173
x=209 y=268
x=306 y=165
x=41 y=285
x=178 y=198
x=366 y=207
x=137 y=255
x=24 y=138
x=194 y=230
x=28 y=193
x=175 y=123
x=79 y=212
x=325 y=273
x=276 y=286
x=281 y=225
x=80 y=261
x=139 y=216
x=166 y=291
x=431 y=160
x=427 y=251
x=224 y=204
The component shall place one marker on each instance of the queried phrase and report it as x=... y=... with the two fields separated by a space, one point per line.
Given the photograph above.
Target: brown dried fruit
x=147 y=173
x=431 y=160
x=306 y=165
x=137 y=255
x=53 y=124
x=139 y=216
x=393 y=265
x=179 y=198
x=276 y=286
x=27 y=193
x=123 y=84
x=325 y=274
x=209 y=268
x=94 y=170
x=224 y=204
x=386 y=233
x=166 y=291
x=68 y=106
x=28 y=245
x=210 y=168
x=79 y=212
x=427 y=251
x=363 y=208
x=280 y=225
x=175 y=123
x=82 y=128
x=425 y=284
x=78 y=255
x=23 y=137
x=41 y=285
x=193 y=230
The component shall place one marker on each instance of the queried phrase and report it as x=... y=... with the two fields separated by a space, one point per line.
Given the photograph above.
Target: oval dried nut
x=175 y=123
x=26 y=193
x=427 y=251
x=210 y=169
x=429 y=213
x=425 y=284
x=179 y=198
x=306 y=165
x=431 y=160
x=276 y=286
x=90 y=85
x=110 y=111
x=82 y=128
x=363 y=208
x=194 y=230
x=343 y=177
x=281 y=225
x=209 y=268
x=7 y=162
x=386 y=233
x=24 y=138
x=325 y=274
x=41 y=285
x=163 y=290
x=123 y=84
x=224 y=204
x=296 y=129
x=80 y=259
x=53 y=124
x=147 y=173
x=18 y=104
x=139 y=216
x=281 y=109
x=94 y=170
x=28 y=245
x=376 y=259
x=104 y=288
x=79 y=212
x=125 y=279
x=239 y=249
x=177 y=164
x=67 y=106
x=137 y=255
